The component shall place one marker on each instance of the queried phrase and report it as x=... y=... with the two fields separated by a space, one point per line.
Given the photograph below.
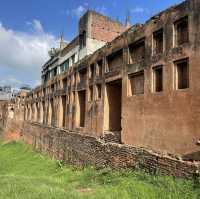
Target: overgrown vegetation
x=25 y=174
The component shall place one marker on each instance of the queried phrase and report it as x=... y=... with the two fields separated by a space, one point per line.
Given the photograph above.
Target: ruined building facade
x=137 y=86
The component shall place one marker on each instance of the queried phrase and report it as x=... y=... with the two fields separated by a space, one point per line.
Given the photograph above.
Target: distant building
x=95 y=30
x=5 y=93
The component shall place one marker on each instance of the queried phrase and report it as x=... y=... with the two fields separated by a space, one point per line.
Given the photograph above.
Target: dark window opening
x=43 y=90
x=182 y=69
x=137 y=83
x=90 y=93
x=45 y=78
x=82 y=39
x=53 y=119
x=158 y=42
x=113 y=106
x=115 y=61
x=83 y=75
x=54 y=72
x=48 y=75
x=73 y=97
x=98 y=90
x=99 y=68
x=65 y=83
x=66 y=64
x=52 y=88
x=181 y=31
x=81 y=117
x=158 y=79
x=137 y=51
x=64 y=111
x=73 y=59
x=73 y=79
x=92 y=71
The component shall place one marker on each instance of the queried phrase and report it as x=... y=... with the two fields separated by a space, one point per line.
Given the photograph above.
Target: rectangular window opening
x=98 y=90
x=137 y=51
x=64 y=83
x=181 y=31
x=82 y=39
x=182 y=74
x=99 y=68
x=81 y=108
x=114 y=61
x=136 y=83
x=52 y=88
x=158 y=78
x=82 y=75
x=92 y=71
x=73 y=59
x=90 y=93
x=158 y=42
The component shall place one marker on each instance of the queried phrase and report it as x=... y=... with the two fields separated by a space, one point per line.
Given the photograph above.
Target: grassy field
x=25 y=174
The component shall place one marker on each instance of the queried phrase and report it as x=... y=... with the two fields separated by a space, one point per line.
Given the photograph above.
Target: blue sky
x=28 y=28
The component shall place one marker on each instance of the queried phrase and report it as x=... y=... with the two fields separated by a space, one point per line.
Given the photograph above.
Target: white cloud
x=36 y=25
x=139 y=10
x=37 y=83
x=79 y=11
x=12 y=81
x=25 y=52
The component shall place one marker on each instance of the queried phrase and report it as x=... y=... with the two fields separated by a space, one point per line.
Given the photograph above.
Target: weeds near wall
x=40 y=177
x=196 y=179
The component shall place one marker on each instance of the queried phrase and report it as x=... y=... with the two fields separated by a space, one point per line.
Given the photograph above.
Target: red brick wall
x=84 y=150
x=104 y=29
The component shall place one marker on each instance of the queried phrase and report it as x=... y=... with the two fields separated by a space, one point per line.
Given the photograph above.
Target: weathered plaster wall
x=167 y=121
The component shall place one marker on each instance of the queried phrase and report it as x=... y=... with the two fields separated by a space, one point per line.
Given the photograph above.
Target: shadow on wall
x=192 y=156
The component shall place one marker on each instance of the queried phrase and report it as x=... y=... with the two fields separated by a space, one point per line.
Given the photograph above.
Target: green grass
x=25 y=174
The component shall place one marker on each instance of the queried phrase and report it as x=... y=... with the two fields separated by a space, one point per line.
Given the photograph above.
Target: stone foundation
x=82 y=150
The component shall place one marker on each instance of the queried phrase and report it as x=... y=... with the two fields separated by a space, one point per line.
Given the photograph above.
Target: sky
x=29 y=28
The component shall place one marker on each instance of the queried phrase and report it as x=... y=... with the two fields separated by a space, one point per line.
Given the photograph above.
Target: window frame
x=175 y=30
x=176 y=75
x=154 y=42
x=154 y=69
x=131 y=92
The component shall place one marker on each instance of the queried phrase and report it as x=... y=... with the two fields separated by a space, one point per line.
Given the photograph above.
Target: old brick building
x=138 y=86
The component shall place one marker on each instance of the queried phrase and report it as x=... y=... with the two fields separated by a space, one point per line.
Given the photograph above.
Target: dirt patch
x=12 y=136
x=85 y=190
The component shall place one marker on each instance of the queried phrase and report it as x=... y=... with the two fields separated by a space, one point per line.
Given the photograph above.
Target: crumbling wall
x=3 y=113
x=164 y=120
x=13 y=122
x=82 y=150
x=105 y=29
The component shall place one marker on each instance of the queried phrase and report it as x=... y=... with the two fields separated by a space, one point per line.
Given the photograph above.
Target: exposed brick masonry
x=105 y=29
x=84 y=150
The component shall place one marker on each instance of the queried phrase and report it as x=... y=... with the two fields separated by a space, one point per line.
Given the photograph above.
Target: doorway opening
x=63 y=110
x=81 y=108
x=53 y=122
x=113 y=106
